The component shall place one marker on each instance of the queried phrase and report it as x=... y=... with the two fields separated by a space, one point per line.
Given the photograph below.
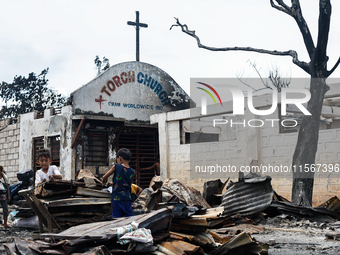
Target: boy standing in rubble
x=47 y=172
x=121 y=190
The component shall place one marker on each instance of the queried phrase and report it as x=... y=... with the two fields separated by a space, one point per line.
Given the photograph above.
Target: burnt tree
x=316 y=67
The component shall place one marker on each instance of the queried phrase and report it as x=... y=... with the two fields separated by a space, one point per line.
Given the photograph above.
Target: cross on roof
x=137 y=24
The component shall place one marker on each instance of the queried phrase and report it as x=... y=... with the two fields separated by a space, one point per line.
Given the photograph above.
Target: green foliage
x=101 y=66
x=27 y=94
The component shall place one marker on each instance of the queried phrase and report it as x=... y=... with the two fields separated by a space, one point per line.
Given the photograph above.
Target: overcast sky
x=66 y=36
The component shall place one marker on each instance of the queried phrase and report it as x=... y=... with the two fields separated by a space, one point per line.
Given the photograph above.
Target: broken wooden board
x=196 y=239
x=221 y=238
x=180 y=248
x=92 y=193
x=186 y=194
x=211 y=213
x=247 y=228
x=206 y=222
x=331 y=204
x=76 y=201
x=240 y=244
x=85 y=173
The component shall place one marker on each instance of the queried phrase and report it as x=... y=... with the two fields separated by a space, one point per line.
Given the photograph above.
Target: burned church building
x=110 y=112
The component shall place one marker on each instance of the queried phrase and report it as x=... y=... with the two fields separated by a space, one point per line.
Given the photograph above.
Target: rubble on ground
x=172 y=218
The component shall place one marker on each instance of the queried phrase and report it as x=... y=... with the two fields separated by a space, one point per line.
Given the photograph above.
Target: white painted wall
x=131 y=90
x=54 y=125
x=251 y=146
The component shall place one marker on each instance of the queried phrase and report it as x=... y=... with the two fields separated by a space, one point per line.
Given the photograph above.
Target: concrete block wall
x=179 y=156
x=181 y=161
x=264 y=145
x=9 y=148
x=278 y=148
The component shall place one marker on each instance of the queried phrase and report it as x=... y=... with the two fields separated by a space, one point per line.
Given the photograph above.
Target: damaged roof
x=249 y=196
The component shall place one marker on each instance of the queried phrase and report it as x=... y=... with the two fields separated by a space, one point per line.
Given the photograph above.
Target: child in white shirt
x=46 y=172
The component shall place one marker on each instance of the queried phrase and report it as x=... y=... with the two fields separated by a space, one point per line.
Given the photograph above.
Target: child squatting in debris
x=47 y=172
x=121 y=191
x=4 y=194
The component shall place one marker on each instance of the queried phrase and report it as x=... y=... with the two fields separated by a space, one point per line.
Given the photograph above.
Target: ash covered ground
x=7 y=236
x=285 y=235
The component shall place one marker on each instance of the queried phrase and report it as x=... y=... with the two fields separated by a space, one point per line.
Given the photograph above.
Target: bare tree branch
x=334 y=67
x=296 y=13
x=283 y=7
x=292 y=53
x=277 y=81
x=258 y=73
x=302 y=24
x=254 y=90
x=244 y=83
x=265 y=84
x=274 y=77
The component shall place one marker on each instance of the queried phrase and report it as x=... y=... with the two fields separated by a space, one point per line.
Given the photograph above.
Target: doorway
x=144 y=148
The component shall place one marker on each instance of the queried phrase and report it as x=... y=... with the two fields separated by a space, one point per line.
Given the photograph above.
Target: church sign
x=130 y=90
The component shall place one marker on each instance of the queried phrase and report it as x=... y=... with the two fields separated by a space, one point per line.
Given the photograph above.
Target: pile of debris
x=170 y=218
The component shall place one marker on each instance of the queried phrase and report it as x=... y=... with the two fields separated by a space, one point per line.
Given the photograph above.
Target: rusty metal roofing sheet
x=179 y=247
x=188 y=195
x=186 y=237
x=95 y=234
x=85 y=173
x=206 y=237
x=156 y=221
x=76 y=201
x=92 y=192
x=211 y=213
x=221 y=238
x=317 y=214
x=331 y=204
x=247 y=228
x=241 y=244
x=202 y=221
x=248 y=197
x=200 y=239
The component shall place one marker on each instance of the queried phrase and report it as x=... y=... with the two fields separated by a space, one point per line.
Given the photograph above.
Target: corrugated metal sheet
x=84 y=173
x=311 y=213
x=76 y=201
x=331 y=204
x=96 y=234
x=155 y=221
x=186 y=194
x=180 y=248
x=249 y=196
x=246 y=228
x=199 y=239
x=241 y=244
x=92 y=192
